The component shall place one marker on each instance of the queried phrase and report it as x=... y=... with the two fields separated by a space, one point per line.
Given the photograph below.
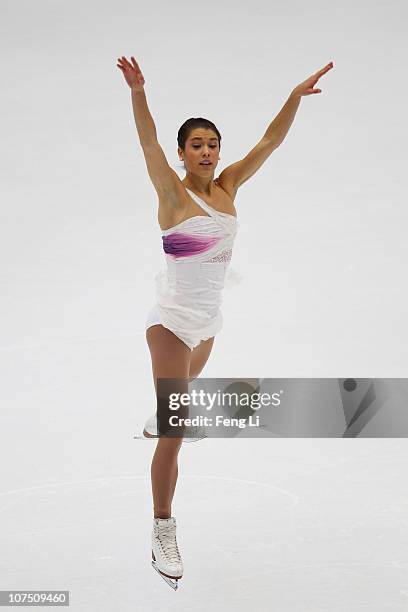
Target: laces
x=167 y=539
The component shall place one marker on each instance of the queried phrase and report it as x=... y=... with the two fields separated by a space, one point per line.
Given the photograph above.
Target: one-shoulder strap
x=206 y=207
x=222 y=219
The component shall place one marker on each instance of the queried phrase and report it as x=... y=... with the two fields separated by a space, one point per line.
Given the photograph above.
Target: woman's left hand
x=306 y=88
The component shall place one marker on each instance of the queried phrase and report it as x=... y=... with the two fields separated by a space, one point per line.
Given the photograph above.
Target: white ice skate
x=150 y=431
x=165 y=553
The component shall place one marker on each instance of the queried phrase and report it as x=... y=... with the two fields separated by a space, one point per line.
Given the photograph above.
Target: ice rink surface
x=296 y=524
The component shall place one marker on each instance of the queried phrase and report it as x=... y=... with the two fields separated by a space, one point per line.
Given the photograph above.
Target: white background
x=294 y=524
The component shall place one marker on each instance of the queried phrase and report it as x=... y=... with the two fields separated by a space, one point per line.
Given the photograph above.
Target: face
x=201 y=145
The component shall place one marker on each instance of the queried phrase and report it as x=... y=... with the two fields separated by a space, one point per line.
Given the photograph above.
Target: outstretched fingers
x=324 y=70
x=126 y=65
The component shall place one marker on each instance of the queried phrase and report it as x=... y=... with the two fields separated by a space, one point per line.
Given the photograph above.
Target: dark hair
x=191 y=124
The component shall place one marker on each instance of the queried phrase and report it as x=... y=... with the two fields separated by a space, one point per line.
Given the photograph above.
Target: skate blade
x=173 y=582
x=145 y=437
x=150 y=437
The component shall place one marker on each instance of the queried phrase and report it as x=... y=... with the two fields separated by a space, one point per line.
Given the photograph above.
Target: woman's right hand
x=132 y=73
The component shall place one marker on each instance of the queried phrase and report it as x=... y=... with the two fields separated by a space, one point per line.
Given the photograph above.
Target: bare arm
x=234 y=175
x=145 y=125
x=163 y=177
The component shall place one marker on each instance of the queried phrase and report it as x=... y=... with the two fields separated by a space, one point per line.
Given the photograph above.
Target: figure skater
x=198 y=223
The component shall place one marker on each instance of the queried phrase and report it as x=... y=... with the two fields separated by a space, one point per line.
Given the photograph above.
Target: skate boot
x=165 y=553
x=194 y=433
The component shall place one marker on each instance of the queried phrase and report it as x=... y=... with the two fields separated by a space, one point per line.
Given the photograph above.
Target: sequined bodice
x=224 y=256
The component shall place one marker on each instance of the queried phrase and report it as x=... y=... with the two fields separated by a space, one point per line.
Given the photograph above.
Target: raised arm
x=163 y=177
x=237 y=173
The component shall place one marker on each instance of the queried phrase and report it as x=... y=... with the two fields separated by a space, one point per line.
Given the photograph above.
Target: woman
x=198 y=222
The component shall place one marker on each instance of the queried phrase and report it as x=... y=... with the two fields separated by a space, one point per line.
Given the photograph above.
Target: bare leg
x=164 y=472
x=171 y=358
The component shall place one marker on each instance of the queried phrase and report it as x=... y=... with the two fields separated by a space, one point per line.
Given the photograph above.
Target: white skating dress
x=198 y=253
